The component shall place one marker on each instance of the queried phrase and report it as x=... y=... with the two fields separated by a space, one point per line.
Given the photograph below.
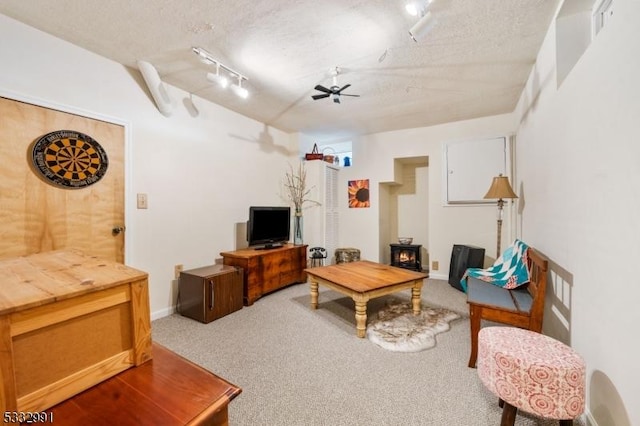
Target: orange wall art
x=359 y=193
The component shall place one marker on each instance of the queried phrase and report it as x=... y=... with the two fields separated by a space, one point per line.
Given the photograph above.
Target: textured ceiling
x=473 y=63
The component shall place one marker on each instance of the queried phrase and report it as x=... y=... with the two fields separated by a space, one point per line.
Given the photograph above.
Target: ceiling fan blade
x=322 y=89
x=344 y=94
x=316 y=97
x=343 y=87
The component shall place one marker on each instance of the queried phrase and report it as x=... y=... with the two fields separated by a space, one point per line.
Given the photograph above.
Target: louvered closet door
x=332 y=219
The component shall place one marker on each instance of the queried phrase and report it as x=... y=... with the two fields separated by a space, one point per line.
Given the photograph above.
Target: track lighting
x=422 y=27
x=425 y=23
x=220 y=79
x=417 y=8
x=239 y=90
x=203 y=55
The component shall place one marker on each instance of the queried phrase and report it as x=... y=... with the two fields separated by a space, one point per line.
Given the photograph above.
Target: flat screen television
x=268 y=227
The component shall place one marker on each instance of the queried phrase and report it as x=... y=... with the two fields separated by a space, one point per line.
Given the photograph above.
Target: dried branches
x=296 y=185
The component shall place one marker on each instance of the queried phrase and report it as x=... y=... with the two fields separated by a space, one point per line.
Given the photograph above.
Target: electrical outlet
x=435 y=265
x=142 y=201
x=177 y=269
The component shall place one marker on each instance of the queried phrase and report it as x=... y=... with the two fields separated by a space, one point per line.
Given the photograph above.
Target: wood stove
x=406 y=256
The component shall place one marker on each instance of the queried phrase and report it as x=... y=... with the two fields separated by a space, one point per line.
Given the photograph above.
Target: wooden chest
x=268 y=270
x=211 y=292
x=168 y=390
x=67 y=322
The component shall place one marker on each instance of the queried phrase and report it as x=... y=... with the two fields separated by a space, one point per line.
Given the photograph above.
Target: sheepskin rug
x=397 y=329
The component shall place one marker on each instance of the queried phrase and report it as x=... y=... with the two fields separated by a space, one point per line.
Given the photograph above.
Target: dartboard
x=69 y=159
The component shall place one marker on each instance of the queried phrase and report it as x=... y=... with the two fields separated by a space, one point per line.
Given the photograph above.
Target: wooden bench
x=521 y=307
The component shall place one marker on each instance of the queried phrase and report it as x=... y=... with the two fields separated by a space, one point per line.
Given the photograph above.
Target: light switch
x=142 y=201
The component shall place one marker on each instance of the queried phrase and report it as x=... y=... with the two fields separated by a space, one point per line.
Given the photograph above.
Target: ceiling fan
x=334 y=91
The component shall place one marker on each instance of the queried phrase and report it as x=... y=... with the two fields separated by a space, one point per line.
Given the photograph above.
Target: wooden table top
x=42 y=278
x=364 y=275
x=168 y=390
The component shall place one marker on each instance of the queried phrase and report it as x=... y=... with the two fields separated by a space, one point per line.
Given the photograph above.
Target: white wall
x=578 y=166
x=412 y=201
x=373 y=159
x=192 y=168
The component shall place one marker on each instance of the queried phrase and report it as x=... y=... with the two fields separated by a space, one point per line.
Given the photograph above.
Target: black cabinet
x=463 y=257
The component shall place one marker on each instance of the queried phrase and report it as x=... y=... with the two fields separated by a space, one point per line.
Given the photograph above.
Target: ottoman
x=531 y=372
x=346 y=255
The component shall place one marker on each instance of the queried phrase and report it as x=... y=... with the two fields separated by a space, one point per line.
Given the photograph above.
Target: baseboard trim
x=588 y=418
x=163 y=313
x=437 y=276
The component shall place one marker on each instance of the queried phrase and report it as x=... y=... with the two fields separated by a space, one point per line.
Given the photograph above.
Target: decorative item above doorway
x=69 y=159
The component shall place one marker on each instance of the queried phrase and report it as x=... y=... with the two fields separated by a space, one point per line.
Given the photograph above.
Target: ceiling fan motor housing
x=334 y=91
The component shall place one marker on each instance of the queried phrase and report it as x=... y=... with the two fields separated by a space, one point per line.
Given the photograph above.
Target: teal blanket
x=509 y=271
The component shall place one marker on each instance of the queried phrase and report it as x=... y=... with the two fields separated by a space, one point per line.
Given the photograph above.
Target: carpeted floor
x=299 y=366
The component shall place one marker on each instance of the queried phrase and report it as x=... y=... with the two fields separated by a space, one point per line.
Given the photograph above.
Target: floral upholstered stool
x=531 y=372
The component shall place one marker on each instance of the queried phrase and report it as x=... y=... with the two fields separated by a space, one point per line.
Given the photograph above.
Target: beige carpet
x=300 y=366
x=396 y=328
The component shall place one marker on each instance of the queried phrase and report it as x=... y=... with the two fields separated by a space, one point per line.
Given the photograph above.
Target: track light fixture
x=417 y=7
x=422 y=27
x=220 y=79
x=426 y=21
x=239 y=90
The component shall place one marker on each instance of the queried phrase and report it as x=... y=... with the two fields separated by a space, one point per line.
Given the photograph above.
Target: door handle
x=212 y=294
x=117 y=230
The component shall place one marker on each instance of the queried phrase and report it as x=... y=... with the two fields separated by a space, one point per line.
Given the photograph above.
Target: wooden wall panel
x=36 y=216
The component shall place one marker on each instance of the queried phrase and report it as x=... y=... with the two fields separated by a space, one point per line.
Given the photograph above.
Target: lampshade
x=500 y=188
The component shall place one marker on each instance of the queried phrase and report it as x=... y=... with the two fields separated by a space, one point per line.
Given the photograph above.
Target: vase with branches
x=296 y=187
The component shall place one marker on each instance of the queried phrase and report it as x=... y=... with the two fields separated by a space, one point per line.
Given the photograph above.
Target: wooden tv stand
x=268 y=270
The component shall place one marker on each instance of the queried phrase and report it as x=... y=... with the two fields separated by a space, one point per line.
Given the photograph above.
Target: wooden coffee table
x=365 y=280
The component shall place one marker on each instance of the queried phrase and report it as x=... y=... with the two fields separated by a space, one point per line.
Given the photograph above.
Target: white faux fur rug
x=397 y=329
